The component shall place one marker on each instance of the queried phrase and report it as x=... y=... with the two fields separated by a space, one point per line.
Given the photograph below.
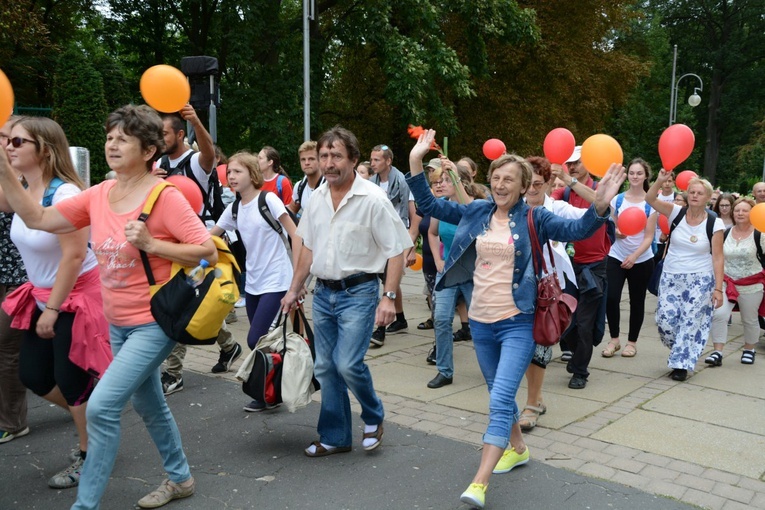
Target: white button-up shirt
x=359 y=237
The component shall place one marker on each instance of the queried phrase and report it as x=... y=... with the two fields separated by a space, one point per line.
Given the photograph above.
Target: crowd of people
x=76 y=327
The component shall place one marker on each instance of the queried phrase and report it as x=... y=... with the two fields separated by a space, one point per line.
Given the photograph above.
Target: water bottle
x=570 y=249
x=197 y=275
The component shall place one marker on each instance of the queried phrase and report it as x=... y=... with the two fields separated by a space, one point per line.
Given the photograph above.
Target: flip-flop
x=320 y=451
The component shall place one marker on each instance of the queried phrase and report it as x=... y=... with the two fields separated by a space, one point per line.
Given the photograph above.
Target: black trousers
x=637 y=277
x=589 y=324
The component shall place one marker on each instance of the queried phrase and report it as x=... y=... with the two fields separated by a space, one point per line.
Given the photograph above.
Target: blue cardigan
x=473 y=220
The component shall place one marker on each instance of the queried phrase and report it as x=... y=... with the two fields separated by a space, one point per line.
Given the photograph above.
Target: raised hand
x=609 y=187
x=423 y=145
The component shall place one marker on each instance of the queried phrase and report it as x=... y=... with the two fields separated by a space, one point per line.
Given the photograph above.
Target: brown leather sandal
x=611 y=349
x=323 y=452
x=377 y=434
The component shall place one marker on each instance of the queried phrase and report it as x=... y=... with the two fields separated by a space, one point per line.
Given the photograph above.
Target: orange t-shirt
x=124 y=286
x=493 y=277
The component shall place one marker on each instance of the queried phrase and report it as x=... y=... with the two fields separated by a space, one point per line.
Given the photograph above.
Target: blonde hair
x=52 y=149
x=250 y=162
x=705 y=183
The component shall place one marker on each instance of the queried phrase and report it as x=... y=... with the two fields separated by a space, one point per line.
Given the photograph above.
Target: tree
x=79 y=106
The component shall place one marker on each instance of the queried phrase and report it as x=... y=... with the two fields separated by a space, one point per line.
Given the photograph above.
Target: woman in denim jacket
x=490 y=244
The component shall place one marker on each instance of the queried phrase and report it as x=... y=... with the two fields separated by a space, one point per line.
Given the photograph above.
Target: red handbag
x=554 y=308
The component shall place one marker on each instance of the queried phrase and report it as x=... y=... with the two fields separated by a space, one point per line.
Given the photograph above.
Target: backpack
x=301 y=188
x=280 y=369
x=711 y=217
x=237 y=247
x=192 y=315
x=50 y=191
x=610 y=225
x=209 y=212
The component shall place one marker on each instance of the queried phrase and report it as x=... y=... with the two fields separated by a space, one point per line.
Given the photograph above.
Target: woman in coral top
x=173 y=233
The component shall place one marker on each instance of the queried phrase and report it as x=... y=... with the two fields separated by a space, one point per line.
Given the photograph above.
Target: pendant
x=694 y=239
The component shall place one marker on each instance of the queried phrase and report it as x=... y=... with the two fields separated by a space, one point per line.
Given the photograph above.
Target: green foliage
x=79 y=106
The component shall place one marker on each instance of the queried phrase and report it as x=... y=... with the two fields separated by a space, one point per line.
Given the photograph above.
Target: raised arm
x=14 y=198
x=652 y=196
x=204 y=140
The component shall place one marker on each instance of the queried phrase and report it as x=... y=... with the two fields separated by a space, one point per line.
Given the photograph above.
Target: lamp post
x=693 y=100
x=309 y=14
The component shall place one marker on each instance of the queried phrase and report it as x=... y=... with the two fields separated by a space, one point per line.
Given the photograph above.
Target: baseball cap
x=576 y=156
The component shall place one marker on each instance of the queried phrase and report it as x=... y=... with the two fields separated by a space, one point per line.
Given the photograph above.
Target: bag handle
x=536 y=248
x=147 y=207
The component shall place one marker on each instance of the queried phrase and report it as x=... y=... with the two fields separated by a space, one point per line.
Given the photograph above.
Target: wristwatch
x=390 y=295
x=574 y=180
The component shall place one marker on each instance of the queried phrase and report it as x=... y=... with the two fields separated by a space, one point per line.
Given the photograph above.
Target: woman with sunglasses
x=173 y=233
x=492 y=250
x=60 y=306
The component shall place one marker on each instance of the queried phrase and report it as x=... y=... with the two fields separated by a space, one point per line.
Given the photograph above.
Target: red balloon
x=664 y=224
x=222 y=177
x=675 y=145
x=494 y=148
x=631 y=221
x=189 y=189
x=681 y=181
x=559 y=145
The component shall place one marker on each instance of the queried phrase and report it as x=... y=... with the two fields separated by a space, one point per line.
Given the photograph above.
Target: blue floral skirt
x=684 y=316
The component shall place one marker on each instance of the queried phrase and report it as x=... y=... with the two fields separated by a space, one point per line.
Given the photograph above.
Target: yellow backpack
x=192 y=315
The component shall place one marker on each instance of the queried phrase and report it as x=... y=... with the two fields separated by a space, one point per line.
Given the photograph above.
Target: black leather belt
x=347 y=283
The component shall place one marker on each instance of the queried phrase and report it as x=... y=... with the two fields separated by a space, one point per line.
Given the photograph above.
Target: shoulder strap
x=266 y=213
x=148 y=206
x=711 y=217
x=50 y=191
x=536 y=248
x=235 y=207
x=757 y=241
x=301 y=188
x=279 y=179
x=566 y=193
x=619 y=202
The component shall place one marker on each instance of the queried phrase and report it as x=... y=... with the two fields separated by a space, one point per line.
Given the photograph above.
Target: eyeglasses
x=724 y=205
x=538 y=184
x=18 y=141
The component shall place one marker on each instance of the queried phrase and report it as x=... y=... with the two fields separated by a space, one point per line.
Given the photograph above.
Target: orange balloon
x=6 y=98
x=600 y=152
x=417 y=262
x=165 y=88
x=757 y=217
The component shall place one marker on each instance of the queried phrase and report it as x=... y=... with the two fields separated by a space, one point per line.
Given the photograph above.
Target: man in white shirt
x=350 y=232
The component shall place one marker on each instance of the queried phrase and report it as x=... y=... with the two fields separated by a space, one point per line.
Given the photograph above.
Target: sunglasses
x=18 y=141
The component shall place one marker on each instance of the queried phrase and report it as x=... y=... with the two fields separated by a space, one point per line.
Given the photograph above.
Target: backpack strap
x=265 y=212
x=50 y=191
x=757 y=241
x=145 y=212
x=279 y=179
x=619 y=202
x=566 y=193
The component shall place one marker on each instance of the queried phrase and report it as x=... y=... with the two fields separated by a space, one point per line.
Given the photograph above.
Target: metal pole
x=307 y=69
x=672 y=104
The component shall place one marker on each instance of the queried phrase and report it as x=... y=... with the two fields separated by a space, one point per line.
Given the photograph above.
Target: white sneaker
x=241 y=303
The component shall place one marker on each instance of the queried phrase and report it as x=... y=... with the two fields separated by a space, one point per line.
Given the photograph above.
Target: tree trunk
x=712 y=149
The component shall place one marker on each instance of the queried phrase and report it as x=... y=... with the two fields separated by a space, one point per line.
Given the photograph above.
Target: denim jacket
x=473 y=220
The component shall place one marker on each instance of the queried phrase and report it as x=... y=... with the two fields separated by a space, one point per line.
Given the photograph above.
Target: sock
x=83 y=454
x=465 y=326
x=400 y=317
x=369 y=441
x=312 y=449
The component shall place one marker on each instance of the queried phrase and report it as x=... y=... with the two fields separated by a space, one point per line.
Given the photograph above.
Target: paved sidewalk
x=701 y=441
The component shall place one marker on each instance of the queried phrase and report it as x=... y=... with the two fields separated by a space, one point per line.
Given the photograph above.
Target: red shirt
x=271 y=185
x=596 y=247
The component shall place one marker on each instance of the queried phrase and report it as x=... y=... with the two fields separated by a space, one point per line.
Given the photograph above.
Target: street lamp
x=694 y=99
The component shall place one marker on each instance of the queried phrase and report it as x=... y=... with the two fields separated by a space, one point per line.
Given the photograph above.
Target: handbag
x=555 y=309
x=280 y=368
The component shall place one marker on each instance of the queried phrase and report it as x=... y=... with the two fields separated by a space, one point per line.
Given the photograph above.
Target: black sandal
x=747 y=357
x=428 y=324
x=714 y=359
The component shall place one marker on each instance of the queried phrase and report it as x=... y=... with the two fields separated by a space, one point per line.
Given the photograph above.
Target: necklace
x=135 y=187
x=739 y=235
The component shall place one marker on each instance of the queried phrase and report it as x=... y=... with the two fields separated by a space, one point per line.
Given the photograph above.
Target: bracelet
x=718 y=290
x=53 y=309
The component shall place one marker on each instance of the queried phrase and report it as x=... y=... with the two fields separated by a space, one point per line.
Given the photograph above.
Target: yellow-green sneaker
x=475 y=495
x=510 y=459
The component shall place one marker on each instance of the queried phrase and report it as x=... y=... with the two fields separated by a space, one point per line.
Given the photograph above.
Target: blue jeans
x=134 y=374
x=443 y=316
x=343 y=321
x=504 y=350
